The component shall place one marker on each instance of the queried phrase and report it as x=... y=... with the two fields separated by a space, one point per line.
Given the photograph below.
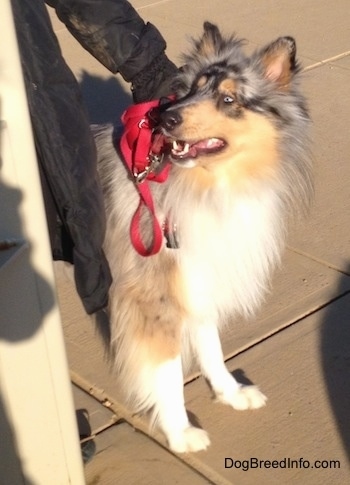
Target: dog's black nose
x=170 y=119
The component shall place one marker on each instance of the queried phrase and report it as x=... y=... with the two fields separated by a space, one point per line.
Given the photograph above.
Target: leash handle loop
x=135 y=145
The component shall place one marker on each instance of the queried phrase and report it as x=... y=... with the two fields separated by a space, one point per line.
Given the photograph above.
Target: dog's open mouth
x=181 y=150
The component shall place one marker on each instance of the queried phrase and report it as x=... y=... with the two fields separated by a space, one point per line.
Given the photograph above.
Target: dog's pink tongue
x=211 y=144
x=183 y=150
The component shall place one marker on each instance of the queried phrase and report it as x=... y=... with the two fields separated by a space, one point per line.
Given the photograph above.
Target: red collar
x=143 y=151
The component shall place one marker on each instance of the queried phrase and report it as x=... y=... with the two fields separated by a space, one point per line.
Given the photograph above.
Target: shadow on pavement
x=105 y=99
x=335 y=355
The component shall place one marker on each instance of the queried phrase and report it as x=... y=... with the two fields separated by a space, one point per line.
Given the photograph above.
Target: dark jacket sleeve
x=113 y=32
x=66 y=154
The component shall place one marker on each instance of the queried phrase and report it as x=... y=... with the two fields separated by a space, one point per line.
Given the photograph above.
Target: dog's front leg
x=170 y=409
x=206 y=343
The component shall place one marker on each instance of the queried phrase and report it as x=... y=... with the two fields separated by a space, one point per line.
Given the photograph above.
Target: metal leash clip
x=155 y=162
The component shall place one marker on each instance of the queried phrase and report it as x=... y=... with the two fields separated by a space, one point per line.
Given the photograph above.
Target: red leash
x=143 y=154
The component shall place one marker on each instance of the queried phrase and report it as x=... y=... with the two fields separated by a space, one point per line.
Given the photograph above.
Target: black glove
x=154 y=81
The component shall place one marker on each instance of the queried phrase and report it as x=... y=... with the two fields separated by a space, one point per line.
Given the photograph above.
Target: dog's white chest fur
x=226 y=253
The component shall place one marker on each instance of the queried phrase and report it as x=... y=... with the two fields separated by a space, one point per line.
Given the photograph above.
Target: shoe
x=155 y=81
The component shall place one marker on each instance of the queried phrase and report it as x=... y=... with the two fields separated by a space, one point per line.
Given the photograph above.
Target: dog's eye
x=228 y=99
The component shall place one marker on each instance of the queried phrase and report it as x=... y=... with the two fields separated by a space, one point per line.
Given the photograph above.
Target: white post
x=39 y=442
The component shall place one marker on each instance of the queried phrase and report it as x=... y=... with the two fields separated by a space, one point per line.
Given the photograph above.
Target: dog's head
x=233 y=109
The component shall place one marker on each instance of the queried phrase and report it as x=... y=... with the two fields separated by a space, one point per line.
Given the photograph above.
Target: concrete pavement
x=298 y=350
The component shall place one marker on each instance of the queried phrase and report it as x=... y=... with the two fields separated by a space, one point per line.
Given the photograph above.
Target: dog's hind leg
x=206 y=343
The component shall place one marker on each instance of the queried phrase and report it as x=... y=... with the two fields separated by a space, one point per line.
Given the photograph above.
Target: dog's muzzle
x=169 y=120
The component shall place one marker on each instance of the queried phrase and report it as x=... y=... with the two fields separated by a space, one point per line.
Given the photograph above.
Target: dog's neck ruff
x=143 y=150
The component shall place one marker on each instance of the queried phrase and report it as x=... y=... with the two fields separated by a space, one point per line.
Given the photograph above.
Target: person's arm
x=113 y=32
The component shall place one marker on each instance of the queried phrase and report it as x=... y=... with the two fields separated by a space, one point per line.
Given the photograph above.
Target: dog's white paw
x=189 y=440
x=243 y=397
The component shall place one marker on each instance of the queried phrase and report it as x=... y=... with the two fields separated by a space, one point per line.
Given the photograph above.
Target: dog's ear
x=278 y=60
x=211 y=40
